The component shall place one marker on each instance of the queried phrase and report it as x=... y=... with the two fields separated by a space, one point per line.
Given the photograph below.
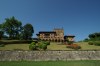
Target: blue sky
x=77 y=17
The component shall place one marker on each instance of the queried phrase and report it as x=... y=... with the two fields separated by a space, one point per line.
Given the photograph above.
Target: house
x=57 y=35
x=69 y=37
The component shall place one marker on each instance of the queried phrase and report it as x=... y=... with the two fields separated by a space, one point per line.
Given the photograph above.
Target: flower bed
x=74 y=46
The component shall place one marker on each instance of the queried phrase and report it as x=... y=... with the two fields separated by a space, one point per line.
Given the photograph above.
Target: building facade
x=69 y=37
x=57 y=35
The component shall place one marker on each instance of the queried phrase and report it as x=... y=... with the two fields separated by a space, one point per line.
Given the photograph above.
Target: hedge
x=97 y=43
x=17 y=42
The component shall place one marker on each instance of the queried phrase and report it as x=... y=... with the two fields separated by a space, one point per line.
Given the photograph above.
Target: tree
x=27 y=31
x=91 y=36
x=1 y=34
x=97 y=34
x=94 y=36
x=86 y=40
x=12 y=27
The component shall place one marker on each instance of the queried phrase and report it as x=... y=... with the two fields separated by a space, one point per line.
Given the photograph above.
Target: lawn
x=15 y=47
x=86 y=46
x=52 y=46
x=51 y=63
x=57 y=46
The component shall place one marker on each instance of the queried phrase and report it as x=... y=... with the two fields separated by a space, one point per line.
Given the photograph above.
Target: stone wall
x=48 y=55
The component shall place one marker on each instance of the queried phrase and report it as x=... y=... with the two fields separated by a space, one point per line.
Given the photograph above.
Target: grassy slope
x=15 y=46
x=52 y=46
x=51 y=63
x=86 y=46
x=57 y=46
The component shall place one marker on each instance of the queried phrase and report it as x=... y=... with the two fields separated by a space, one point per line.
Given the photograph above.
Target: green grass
x=57 y=46
x=52 y=46
x=15 y=47
x=86 y=46
x=51 y=63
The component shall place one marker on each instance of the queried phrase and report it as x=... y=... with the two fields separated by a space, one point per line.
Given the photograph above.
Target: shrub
x=17 y=42
x=47 y=43
x=2 y=45
x=78 y=47
x=90 y=42
x=74 y=46
x=32 y=46
x=69 y=46
x=33 y=43
x=70 y=42
x=42 y=45
x=97 y=43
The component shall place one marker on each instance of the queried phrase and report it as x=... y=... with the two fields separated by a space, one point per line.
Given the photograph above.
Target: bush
x=16 y=42
x=32 y=46
x=33 y=43
x=74 y=46
x=90 y=42
x=68 y=46
x=97 y=43
x=70 y=42
x=47 y=43
x=42 y=45
x=78 y=47
x=2 y=45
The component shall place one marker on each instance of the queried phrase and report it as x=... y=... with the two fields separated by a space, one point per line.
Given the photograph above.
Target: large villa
x=57 y=35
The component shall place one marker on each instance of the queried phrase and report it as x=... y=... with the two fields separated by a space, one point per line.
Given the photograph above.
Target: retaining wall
x=48 y=55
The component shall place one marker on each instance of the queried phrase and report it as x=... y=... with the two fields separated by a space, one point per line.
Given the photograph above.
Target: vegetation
x=33 y=46
x=74 y=46
x=96 y=43
x=2 y=45
x=1 y=34
x=93 y=37
x=13 y=29
x=41 y=45
x=52 y=46
x=86 y=46
x=15 y=47
x=90 y=42
x=51 y=63
x=27 y=32
x=15 y=41
x=71 y=45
